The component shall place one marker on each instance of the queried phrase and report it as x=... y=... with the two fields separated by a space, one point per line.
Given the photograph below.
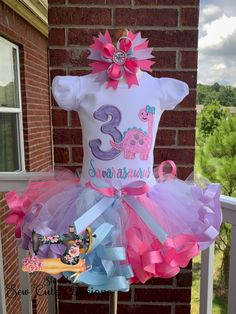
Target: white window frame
x=18 y=111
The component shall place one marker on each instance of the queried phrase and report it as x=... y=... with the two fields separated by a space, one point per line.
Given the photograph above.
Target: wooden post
x=206 y=285
x=232 y=273
x=113 y=298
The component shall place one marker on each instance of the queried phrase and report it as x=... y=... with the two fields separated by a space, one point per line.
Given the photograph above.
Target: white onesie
x=119 y=126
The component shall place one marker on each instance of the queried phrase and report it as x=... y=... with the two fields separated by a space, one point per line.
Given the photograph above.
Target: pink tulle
x=189 y=215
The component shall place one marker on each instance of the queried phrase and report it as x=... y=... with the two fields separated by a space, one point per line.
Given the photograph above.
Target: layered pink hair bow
x=113 y=63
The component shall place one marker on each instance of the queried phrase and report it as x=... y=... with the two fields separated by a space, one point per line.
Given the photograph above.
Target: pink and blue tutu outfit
x=145 y=225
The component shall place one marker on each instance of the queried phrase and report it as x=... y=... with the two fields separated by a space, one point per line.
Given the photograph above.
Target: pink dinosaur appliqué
x=136 y=141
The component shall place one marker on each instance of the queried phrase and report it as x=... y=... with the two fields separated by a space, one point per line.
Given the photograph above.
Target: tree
x=209 y=119
x=226 y=96
x=216 y=87
x=218 y=155
x=206 y=94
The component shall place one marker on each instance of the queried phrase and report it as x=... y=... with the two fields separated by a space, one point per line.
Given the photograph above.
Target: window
x=11 y=126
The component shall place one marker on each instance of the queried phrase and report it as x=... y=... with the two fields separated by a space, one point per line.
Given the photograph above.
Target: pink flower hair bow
x=113 y=63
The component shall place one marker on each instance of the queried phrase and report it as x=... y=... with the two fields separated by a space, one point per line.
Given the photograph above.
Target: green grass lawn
x=219 y=298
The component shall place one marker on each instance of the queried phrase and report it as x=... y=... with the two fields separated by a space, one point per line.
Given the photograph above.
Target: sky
x=217 y=42
x=5 y=57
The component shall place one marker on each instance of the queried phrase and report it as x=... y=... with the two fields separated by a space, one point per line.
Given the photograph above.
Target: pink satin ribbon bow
x=164 y=260
x=17 y=212
x=136 y=188
x=121 y=65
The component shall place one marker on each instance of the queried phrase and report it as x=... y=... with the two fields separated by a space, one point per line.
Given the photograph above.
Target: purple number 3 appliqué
x=103 y=114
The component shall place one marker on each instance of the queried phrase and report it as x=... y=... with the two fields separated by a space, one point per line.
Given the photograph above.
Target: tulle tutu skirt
x=137 y=235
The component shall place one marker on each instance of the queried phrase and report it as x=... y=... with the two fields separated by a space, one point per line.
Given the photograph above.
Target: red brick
x=59 y=57
x=79 y=16
x=65 y=292
x=56 y=2
x=75 y=121
x=82 y=37
x=160 y=281
x=178 y=119
x=183 y=173
x=124 y=296
x=183 y=309
x=77 y=154
x=165 y=59
x=56 y=36
x=141 y=308
x=79 y=58
x=171 y=38
x=189 y=101
x=147 y=17
x=166 y=2
x=190 y=77
x=189 y=16
x=20 y=31
x=162 y=295
x=105 y=2
x=78 y=72
x=54 y=73
x=67 y=136
x=53 y=102
x=63 y=279
x=186 y=137
x=61 y=155
x=59 y=117
x=179 y=156
x=83 y=308
x=184 y=279
x=83 y=294
x=165 y=137
x=188 y=59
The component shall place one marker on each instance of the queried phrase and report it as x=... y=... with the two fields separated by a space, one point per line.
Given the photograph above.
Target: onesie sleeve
x=66 y=91
x=172 y=92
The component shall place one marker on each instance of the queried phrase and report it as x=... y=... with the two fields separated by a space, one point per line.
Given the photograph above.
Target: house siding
x=33 y=49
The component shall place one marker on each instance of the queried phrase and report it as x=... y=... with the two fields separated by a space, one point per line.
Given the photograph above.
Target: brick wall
x=37 y=135
x=172 y=28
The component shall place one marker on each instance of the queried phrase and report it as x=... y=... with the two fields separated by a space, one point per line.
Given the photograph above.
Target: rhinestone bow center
x=119 y=57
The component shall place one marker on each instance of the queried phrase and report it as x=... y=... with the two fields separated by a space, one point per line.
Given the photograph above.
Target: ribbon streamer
x=112 y=197
x=106 y=274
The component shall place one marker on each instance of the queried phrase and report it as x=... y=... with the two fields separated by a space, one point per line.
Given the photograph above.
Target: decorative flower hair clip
x=121 y=61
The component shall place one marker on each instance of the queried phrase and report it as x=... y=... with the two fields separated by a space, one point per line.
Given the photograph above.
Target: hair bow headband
x=121 y=61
